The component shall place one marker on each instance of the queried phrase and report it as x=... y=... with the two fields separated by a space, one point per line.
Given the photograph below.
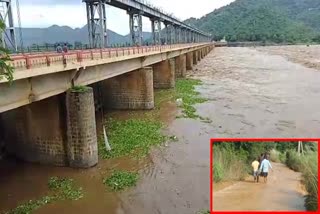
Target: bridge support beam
x=135 y=24
x=168 y=37
x=40 y=132
x=133 y=90
x=164 y=74
x=97 y=24
x=156 y=31
x=180 y=66
x=189 y=59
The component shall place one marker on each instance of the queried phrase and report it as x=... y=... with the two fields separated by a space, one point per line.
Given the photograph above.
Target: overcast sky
x=44 y=13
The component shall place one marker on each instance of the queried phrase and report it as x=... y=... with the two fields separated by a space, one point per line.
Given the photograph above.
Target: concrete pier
x=133 y=90
x=164 y=74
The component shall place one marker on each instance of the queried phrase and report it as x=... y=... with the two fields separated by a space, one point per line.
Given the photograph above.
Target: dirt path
x=281 y=192
x=255 y=94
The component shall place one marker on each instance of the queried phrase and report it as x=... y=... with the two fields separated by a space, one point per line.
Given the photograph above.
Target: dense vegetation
x=308 y=165
x=232 y=161
x=264 y=20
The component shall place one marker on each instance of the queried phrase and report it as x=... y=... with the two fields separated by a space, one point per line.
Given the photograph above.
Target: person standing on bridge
x=59 y=49
x=264 y=168
x=65 y=48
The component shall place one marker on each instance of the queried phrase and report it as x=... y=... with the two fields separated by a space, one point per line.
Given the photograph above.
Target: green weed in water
x=203 y=212
x=60 y=189
x=120 y=180
x=64 y=188
x=31 y=205
x=133 y=137
x=185 y=89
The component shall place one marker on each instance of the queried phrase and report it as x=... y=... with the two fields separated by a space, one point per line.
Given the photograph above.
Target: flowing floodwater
x=282 y=192
x=250 y=94
x=254 y=94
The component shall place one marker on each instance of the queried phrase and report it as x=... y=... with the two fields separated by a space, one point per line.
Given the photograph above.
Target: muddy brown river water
x=250 y=93
x=282 y=192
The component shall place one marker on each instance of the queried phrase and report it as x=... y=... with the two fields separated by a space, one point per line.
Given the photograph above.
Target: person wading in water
x=264 y=168
x=261 y=158
x=255 y=165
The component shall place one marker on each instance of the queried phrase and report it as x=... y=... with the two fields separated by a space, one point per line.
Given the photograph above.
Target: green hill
x=264 y=20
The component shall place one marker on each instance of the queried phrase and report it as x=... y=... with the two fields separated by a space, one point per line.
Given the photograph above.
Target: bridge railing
x=36 y=60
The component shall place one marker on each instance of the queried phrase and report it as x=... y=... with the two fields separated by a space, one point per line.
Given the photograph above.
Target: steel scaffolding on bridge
x=176 y=31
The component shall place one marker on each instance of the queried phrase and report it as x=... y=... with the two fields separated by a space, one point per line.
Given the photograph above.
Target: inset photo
x=264 y=175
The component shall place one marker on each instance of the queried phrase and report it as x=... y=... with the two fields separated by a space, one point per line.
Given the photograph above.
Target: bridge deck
x=40 y=76
x=50 y=62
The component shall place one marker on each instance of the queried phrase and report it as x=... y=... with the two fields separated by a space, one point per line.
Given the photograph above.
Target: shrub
x=217 y=172
x=275 y=156
x=229 y=164
x=308 y=165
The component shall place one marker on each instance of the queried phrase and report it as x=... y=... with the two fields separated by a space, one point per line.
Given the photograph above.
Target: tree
x=6 y=70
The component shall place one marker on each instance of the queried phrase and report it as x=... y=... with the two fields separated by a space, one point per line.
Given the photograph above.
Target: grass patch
x=60 y=189
x=79 y=89
x=185 y=89
x=120 y=180
x=203 y=212
x=133 y=137
x=229 y=164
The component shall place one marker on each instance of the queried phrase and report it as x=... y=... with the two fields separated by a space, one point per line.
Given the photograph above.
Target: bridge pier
x=34 y=133
x=199 y=55
x=189 y=58
x=164 y=74
x=180 y=66
x=195 y=57
x=133 y=90
x=40 y=132
x=82 y=146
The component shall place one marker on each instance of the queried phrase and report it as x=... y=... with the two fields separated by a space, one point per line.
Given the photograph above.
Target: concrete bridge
x=43 y=120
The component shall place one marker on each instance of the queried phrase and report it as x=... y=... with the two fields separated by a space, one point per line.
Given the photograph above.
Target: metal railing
x=47 y=59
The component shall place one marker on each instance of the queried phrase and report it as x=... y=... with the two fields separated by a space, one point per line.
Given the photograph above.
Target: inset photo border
x=235 y=191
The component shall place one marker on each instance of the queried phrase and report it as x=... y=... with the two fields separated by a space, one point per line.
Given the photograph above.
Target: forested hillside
x=264 y=20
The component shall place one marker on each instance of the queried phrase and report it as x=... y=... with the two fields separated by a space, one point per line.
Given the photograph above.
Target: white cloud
x=74 y=14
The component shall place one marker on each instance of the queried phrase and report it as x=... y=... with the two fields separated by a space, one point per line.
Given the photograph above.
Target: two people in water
x=261 y=167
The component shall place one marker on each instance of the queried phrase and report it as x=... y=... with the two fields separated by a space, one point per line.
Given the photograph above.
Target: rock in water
x=179 y=102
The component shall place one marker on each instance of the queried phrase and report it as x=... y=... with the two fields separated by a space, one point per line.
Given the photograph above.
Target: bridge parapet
x=36 y=60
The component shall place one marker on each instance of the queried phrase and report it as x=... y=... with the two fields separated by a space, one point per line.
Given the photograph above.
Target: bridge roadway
x=39 y=76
